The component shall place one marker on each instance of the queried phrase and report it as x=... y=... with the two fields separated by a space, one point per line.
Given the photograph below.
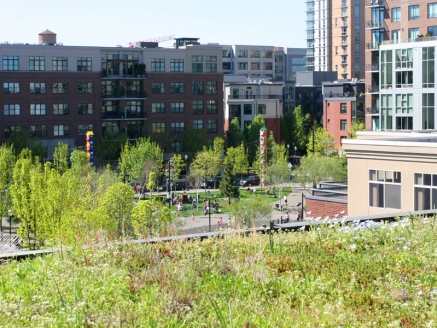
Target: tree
x=323 y=142
x=161 y=138
x=227 y=184
x=7 y=162
x=276 y=153
x=236 y=157
x=277 y=174
x=193 y=139
x=316 y=168
x=108 y=144
x=356 y=126
x=79 y=162
x=250 y=209
x=294 y=129
x=234 y=135
x=151 y=218
x=194 y=178
x=60 y=157
x=251 y=137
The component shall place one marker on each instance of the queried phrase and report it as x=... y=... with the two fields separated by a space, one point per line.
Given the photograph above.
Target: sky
x=117 y=22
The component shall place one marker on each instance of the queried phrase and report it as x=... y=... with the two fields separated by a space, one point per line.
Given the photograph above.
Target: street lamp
x=295 y=148
x=186 y=163
x=288 y=153
x=10 y=214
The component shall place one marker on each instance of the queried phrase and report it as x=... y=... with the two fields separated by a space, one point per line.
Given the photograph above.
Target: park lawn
x=331 y=276
x=224 y=206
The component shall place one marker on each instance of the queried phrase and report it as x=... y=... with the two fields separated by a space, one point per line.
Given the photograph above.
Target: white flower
x=353 y=247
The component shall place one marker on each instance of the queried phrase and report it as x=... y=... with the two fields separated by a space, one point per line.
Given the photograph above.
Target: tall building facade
x=335 y=37
x=401 y=38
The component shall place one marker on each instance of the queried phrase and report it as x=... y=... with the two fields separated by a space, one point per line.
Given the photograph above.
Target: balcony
x=255 y=97
x=126 y=116
x=375 y=3
x=375 y=24
x=128 y=94
x=373 y=89
x=372 y=111
x=372 y=67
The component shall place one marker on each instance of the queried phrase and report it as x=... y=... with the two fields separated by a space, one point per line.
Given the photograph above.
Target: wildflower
x=420 y=293
x=353 y=247
x=405 y=304
x=434 y=291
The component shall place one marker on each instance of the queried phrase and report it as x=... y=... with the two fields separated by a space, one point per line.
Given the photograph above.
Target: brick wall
x=324 y=208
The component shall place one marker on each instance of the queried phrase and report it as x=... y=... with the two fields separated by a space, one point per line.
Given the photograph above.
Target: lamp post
x=10 y=215
x=295 y=148
x=186 y=163
x=288 y=153
x=209 y=213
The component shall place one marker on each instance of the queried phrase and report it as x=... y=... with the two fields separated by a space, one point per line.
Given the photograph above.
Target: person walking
x=192 y=216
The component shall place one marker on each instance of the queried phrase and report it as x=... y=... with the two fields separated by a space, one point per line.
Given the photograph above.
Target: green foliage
x=151 y=184
x=227 y=188
x=7 y=162
x=151 y=218
x=60 y=157
x=208 y=161
x=79 y=162
x=316 y=168
x=356 y=126
x=250 y=209
x=234 y=135
x=277 y=174
x=177 y=163
x=162 y=139
x=294 y=129
x=323 y=142
x=107 y=145
x=193 y=139
x=251 y=136
x=276 y=153
x=236 y=157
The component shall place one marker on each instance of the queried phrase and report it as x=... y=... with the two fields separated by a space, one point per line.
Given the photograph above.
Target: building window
x=176 y=147
x=85 y=87
x=267 y=54
x=158 y=87
x=10 y=63
x=211 y=68
x=38 y=131
x=197 y=58
x=212 y=59
x=386 y=112
x=404 y=79
x=60 y=109
x=279 y=69
x=12 y=129
x=242 y=66
x=428 y=106
x=343 y=108
x=432 y=30
x=262 y=109
x=197 y=106
x=178 y=107
x=279 y=58
x=211 y=107
x=133 y=109
x=158 y=107
x=176 y=65
x=60 y=64
x=226 y=54
x=413 y=33
x=425 y=191
x=247 y=109
x=84 y=128
x=37 y=87
x=60 y=87
x=432 y=10
x=133 y=89
x=85 y=109
x=158 y=127
x=242 y=53
x=11 y=110
x=177 y=127
x=198 y=124
x=37 y=109
x=212 y=126
x=396 y=15
x=197 y=67
x=211 y=87
x=84 y=64
x=255 y=66
x=385 y=189
x=197 y=87
x=343 y=125
x=37 y=64
x=11 y=87
x=61 y=130
x=255 y=54
x=158 y=65
x=267 y=66
x=428 y=63
x=413 y=12
x=227 y=66
x=177 y=87
x=404 y=123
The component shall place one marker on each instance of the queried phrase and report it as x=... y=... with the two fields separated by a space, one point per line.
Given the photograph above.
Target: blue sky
x=111 y=22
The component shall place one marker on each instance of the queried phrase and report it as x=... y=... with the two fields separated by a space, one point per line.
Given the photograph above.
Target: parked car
x=251 y=180
x=209 y=182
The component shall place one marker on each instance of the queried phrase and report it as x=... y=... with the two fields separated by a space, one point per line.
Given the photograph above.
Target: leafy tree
x=60 y=157
x=323 y=142
x=356 y=126
x=79 y=162
x=152 y=183
x=251 y=137
x=250 y=209
x=162 y=139
x=7 y=162
x=227 y=184
x=277 y=174
x=236 y=157
x=234 y=135
x=294 y=129
x=151 y=218
x=276 y=153
x=107 y=145
x=194 y=178
x=316 y=168
x=193 y=139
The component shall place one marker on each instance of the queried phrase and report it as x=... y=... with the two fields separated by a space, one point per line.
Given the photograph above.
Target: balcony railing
x=372 y=89
x=372 y=110
x=377 y=3
x=124 y=115
x=127 y=94
x=344 y=95
x=419 y=39
x=375 y=24
x=254 y=96
x=372 y=67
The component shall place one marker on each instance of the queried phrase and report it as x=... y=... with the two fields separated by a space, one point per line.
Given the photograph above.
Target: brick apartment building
x=57 y=93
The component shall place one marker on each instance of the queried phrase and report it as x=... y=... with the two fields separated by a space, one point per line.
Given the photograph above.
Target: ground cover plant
x=361 y=275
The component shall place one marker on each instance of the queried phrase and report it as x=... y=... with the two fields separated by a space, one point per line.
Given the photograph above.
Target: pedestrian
x=192 y=216
x=221 y=221
x=287 y=217
x=285 y=200
x=229 y=223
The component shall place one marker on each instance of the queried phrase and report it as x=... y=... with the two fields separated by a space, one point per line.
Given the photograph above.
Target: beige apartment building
x=335 y=37
x=400 y=44
x=391 y=172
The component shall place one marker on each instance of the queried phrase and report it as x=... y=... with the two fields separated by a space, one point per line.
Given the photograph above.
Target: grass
x=331 y=276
